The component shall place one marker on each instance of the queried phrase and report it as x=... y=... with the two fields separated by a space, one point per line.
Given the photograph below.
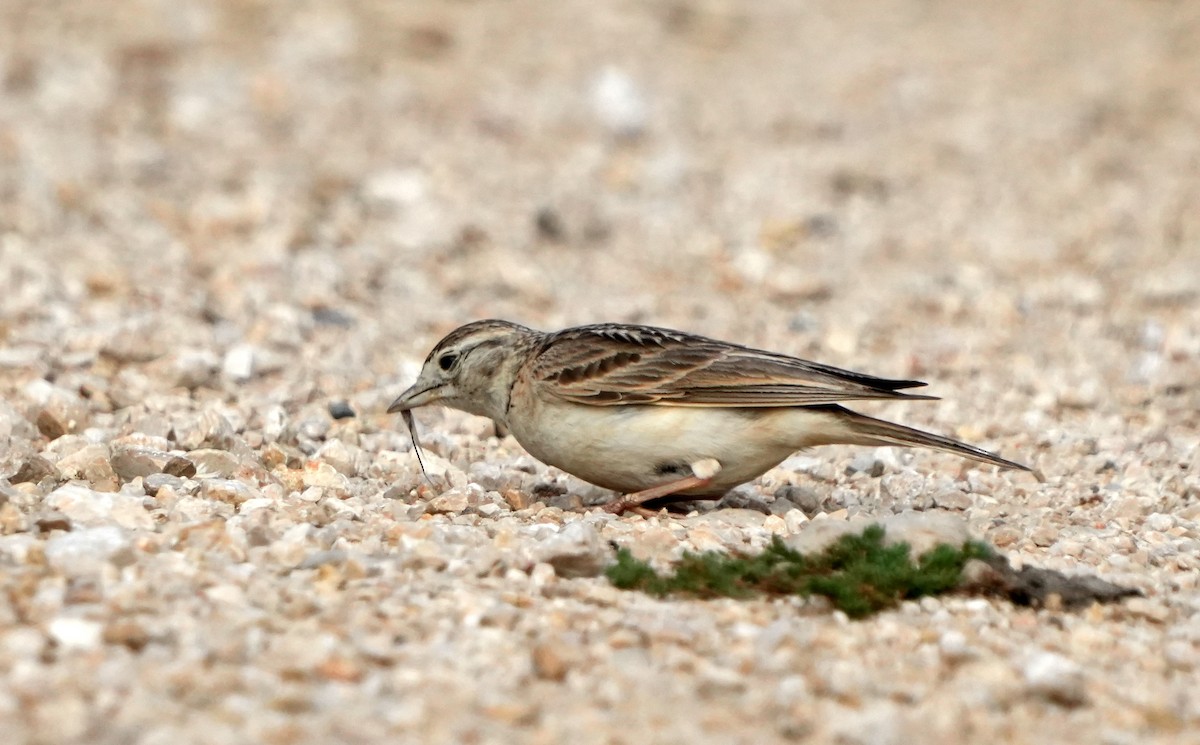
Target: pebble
x=34 y=470
x=807 y=500
x=325 y=476
x=453 y=501
x=577 y=550
x=84 y=506
x=134 y=461
x=229 y=491
x=619 y=103
x=194 y=368
x=952 y=499
x=238 y=364
x=85 y=551
x=91 y=464
x=213 y=463
x=75 y=634
x=1055 y=678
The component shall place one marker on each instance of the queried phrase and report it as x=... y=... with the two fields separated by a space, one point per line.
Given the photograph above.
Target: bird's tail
x=859 y=429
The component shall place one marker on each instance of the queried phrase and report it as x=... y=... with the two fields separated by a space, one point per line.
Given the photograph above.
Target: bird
x=654 y=414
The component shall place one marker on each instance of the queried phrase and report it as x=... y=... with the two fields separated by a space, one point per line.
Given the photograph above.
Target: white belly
x=629 y=448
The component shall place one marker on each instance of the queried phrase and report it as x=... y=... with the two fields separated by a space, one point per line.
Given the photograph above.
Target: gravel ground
x=222 y=223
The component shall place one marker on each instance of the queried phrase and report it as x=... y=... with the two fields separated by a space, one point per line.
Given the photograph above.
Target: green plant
x=858 y=573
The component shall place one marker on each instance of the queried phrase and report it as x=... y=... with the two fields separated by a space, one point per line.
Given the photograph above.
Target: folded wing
x=606 y=365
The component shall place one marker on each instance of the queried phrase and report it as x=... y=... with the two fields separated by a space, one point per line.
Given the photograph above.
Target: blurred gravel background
x=222 y=222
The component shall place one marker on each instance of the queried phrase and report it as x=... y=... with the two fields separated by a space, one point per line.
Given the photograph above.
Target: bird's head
x=471 y=369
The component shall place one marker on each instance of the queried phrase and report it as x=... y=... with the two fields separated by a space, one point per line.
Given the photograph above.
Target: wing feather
x=612 y=364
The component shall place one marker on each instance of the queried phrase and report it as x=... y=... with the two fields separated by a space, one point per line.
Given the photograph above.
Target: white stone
x=575 y=551
x=84 y=551
x=619 y=103
x=794 y=521
x=1055 y=678
x=84 y=506
x=239 y=362
x=75 y=633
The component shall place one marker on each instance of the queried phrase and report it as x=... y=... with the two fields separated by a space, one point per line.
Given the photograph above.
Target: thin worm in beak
x=407 y=416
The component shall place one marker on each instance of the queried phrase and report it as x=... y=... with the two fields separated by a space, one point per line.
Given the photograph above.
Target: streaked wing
x=613 y=364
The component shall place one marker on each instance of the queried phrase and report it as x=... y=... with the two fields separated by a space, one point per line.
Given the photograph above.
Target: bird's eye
x=447 y=360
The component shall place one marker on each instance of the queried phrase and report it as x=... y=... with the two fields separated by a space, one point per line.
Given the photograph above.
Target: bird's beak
x=420 y=394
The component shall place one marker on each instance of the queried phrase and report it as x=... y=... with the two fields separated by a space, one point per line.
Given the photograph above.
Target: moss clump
x=858 y=573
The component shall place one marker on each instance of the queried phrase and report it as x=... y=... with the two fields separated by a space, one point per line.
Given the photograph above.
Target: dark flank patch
x=669 y=468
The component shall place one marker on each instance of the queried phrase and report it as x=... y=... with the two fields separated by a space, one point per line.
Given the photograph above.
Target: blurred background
x=243 y=193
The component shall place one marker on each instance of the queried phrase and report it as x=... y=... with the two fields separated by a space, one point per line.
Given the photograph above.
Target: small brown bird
x=655 y=413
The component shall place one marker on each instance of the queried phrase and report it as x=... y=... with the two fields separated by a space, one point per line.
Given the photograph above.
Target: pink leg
x=703 y=472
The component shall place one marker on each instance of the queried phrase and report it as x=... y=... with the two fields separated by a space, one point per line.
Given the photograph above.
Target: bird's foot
x=703 y=472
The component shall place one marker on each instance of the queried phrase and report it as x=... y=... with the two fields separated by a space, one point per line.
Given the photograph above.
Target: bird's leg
x=703 y=472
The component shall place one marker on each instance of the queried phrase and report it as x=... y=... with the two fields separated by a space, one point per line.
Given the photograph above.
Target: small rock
x=23 y=356
x=133 y=344
x=704 y=538
x=954 y=648
x=318 y=559
x=1044 y=535
x=907 y=489
x=803 y=498
x=194 y=368
x=865 y=463
x=275 y=422
x=90 y=464
x=794 y=520
x=775 y=524
x=618 y=103
x=1148 y=609
x=1055 y=678
x=818 y=535
x=204 y=429
x=313 y=428
x=575 y=551
x=549 y=225
x=84 y=506
x=229 y=491
x=127 y=633
x=59 y=411
x=83 y=551
x=1160 y=522
x=34 y=470
x=132 y=461
x=1004 y=536
x=51 y=521
x=213 y=463
x=339 y=455
x=75 y=634
x=325 y=476
x=952 y=499
x=156 y=481
x=924 y=531
x=549 y=661
x=341 y=410
x=180 y=467
x=452 y=501
x=51 y=425
x=238 y=365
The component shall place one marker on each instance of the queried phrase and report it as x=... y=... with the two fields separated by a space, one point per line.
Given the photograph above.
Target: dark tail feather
x=865 y=430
